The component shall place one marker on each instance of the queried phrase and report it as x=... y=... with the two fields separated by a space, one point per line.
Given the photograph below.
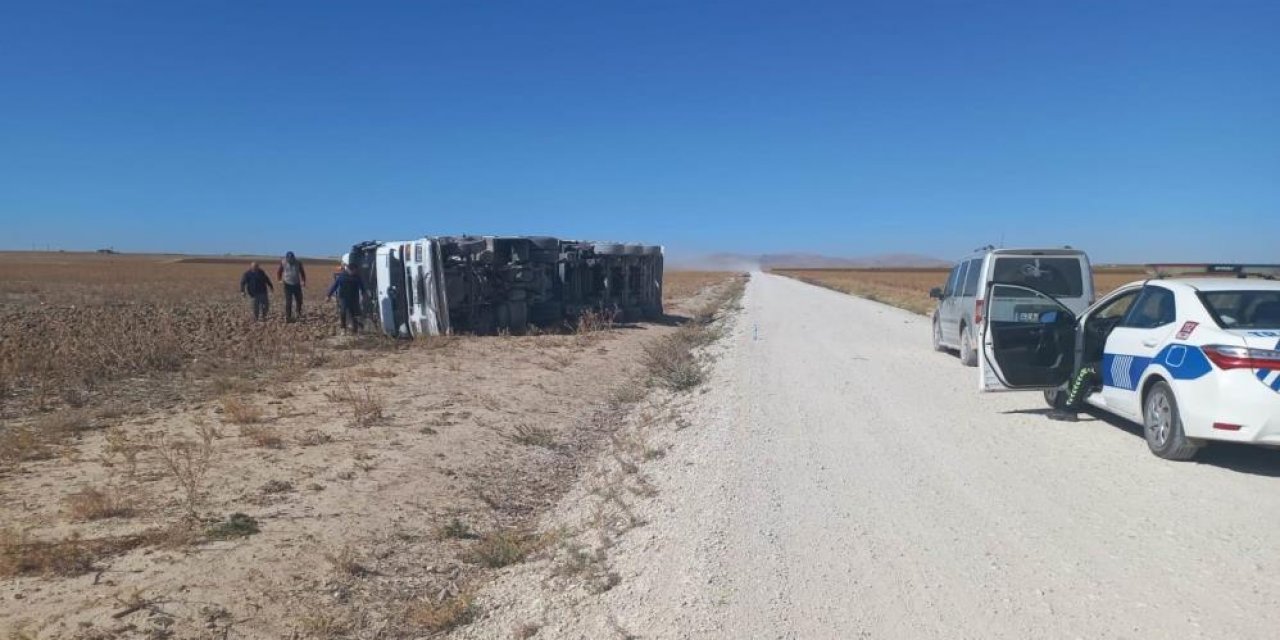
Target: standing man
x=256 y=284
x=348 y=287
x=294 y=277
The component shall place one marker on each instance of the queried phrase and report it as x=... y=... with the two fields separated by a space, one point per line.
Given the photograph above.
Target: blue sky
x=1138 y=131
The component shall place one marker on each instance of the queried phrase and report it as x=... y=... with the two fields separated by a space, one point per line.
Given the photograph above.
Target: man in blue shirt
x=348 y=287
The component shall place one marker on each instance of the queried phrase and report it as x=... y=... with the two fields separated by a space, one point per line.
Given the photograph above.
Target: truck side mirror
x=936 y=293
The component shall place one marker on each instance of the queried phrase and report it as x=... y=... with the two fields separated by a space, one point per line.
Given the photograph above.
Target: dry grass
x=673 y=362
x=239 y=411
x=366 y=407
x=91 y=503
x=261 y=436
x=909 y=288
x=21 y=556
x=501 y=548
x=437 y=617
x=532 y=436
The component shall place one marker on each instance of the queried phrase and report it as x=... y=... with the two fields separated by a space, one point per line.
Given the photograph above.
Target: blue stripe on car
x=1182 y=361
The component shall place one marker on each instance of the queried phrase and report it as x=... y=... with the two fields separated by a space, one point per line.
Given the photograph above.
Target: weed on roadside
x=91 y=503
x=530 y=435
x=237 y=525
x=437 y=617
x=501 y=548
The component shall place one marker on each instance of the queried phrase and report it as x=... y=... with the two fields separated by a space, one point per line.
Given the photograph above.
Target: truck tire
x=968 y=355
x=1162 y=425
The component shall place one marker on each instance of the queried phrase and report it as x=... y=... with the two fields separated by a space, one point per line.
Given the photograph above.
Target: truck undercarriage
x=487 y=284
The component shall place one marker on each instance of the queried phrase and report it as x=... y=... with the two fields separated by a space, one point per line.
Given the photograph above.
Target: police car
x=1192 y=359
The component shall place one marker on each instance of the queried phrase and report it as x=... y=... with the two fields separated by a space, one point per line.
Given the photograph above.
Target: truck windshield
x=1058 y=277
x=1244 y=309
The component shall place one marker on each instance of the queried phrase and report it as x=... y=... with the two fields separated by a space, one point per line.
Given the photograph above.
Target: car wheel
x=1055 y=398
x=968 y=356
x=937 y=336
x=1163 y=426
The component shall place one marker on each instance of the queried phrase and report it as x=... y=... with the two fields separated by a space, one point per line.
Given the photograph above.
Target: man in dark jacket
x=348 y=287
x=256 y=284
x=294 y=277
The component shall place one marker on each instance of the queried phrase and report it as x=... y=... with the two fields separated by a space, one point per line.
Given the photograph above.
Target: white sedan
x=1192 y=359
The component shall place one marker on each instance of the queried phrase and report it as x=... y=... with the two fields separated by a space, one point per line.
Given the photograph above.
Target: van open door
x=1028 y=340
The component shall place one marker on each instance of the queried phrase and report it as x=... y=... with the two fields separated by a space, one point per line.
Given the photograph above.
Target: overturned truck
x=487 y=284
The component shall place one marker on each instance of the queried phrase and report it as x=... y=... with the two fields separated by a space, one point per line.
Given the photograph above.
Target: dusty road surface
x=841 y=480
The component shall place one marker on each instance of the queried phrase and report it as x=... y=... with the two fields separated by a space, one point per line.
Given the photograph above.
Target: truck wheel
x=968 y=356
x=1162 y=425
x=937 y=336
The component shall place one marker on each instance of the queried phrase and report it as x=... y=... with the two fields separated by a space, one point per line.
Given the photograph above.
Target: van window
x=971 y=278
x=950 y=289
x=1154 y=308
x=1058 y=277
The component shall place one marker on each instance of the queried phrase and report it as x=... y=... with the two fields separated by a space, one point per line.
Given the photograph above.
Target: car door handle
x=1150 y=343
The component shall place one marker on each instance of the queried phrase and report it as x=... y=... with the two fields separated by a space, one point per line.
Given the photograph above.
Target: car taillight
x=1229 y=357
x=977 y=311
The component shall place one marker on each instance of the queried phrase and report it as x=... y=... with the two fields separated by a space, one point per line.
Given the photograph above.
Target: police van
x=1062 y=273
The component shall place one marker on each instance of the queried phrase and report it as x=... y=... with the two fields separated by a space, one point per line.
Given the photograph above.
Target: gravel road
x=842 y=480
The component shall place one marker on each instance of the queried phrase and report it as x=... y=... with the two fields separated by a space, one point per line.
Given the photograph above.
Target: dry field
x=169 y=468
x=909 y=288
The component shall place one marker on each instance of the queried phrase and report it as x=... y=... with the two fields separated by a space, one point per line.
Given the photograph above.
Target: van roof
x=1059 y=251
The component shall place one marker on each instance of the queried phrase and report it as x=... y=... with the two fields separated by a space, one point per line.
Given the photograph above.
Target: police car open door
x=1028 y=340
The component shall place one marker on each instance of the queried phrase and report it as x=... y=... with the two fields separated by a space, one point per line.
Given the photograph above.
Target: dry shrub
x=237 y=411
x=671 y=362
x=438 y=617
x=187 y=463
x=312 y=438
x=90 y=503
x=501 y=548
x=324 y=623
x=120 y=450
x=367 y=408
x=20 y=556
x=261 y=436
x=23 y=443
x=346 y=562
x=40 y=439
x=594 y=321
x=532 y=436
x=455 y=529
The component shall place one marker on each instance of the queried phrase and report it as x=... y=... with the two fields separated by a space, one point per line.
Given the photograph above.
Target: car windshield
x=1058 y=277
x=1244 y=309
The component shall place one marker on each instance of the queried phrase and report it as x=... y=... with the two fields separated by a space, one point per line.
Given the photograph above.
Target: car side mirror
x=936 y=293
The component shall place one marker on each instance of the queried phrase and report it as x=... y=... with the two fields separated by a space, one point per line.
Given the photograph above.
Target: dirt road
x=842 y=480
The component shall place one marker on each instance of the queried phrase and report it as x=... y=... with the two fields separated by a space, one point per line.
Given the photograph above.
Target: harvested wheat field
x=169 y=468
x=909 y=288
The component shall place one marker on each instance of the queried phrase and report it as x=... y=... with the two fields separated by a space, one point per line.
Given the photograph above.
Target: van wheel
x=937 y=336
x=1162 y=425
x=968 y=356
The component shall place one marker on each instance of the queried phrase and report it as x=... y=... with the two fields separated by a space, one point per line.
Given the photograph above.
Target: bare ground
x=382 y=493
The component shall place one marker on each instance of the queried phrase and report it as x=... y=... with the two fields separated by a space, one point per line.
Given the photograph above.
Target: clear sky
x=1136 y=130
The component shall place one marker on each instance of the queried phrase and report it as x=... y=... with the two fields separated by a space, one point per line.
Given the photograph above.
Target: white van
x=1064 y=274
